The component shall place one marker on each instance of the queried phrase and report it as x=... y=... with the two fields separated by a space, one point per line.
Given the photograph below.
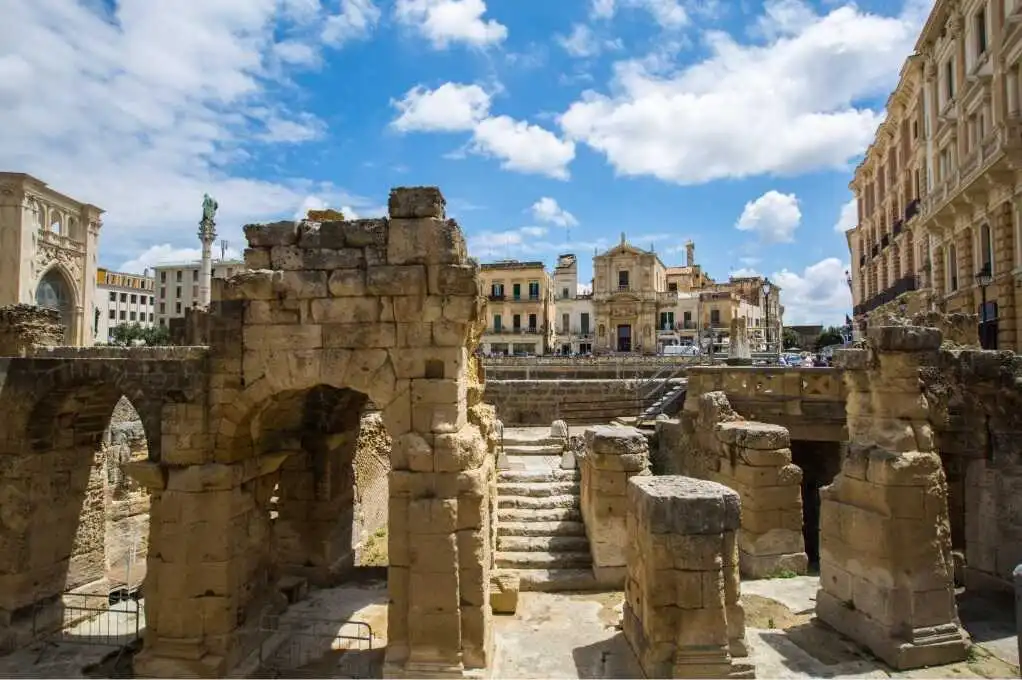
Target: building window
x=124 y=297
x=565 y=323
x=952 y=268
x=177 y=292
x=497 y=323
x=516 y=291
x=163 y=277
x=585 y=323
x=516 y=322
x=687 y=319
x=113 y=297
x=113 y=314
x=622 y=280
x=533 y=290
x=981 y=32
x=150 y=317
x=666 y=321
x=122 y=315
x=134 y=299
x=672 y=287
x=163 y=308
x=986 y=248
x=195 y=275
x=132 y=316
x=163 y=322
x=497 y=290
x=564 y=293
x=178 y=277
x=949 y=81
x=150 y=299
x=532 y=323
x=714 y=317
x=177 y=308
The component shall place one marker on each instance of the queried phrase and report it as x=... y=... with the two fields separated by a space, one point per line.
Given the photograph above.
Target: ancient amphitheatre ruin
x=896 y=472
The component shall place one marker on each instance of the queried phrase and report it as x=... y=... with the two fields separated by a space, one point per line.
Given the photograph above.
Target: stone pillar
x=681 y=613
x=207 y=234
x=203 y=580
x=612 y=456
x=886 y=571
x=757 y=464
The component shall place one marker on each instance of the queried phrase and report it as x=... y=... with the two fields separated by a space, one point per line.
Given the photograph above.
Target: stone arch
x=57 y=223
x=57 y=290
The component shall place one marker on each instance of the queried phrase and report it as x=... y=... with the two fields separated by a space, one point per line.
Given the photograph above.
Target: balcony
x=527 y=330
x=623 y=288
x=524 y=298
x=903 y=285
x=495 y=297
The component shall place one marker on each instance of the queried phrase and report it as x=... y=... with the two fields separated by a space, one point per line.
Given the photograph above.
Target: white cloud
x=444 y=22
x=147 y=105
x=819 y=295
x=742 y=272
x=350 y=213
x=168 y=254
x=503 y=244
x=449 y=108
x=547 y=210
x=784 y=107
x=519 y=145
x=848 y=218
x=583 y=43
x=667 y=13
x=773 y=216
x=584 y=288
x=523 y=147
x=355 y=21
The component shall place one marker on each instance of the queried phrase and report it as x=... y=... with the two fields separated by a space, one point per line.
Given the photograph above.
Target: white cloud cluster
x=819 y=295
x=773 y=217
x=141 y=107
x=583 y=43
x=783 y=106
x=667 y=13
x=848 y=218
x=547 y=210
x=356 y=19
x=445 y=22
x=167 y=254
x=452 y=107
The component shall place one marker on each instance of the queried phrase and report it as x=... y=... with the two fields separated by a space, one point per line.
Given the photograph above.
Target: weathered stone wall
x=577 y=402
x=682 y=614
x=126 y=504
x=613 y=455
x=584 y=368
x=372 y=467
x=25 y=326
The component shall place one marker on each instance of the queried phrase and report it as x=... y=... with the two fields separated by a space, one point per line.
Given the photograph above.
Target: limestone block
x=504 y=589
x=347 y=283
x=753 y=435
x=332 y=258
x=904 y=339
x=610 y=440
x=454 y=280
x=257 y=258
x=284 y=233
x=408 y=279
x=359 y=335
x=425 y=241
x=282 y=337
x=708 y=507
x=345 y=310
x=412 y=202
x=300 y=285
x=461 y=450
x=353 y=233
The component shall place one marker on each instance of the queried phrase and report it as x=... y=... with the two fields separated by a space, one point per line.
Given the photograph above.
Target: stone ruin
x=23 y=327
x=739 y=352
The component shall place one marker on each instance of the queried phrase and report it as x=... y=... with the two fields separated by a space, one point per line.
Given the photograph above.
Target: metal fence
x=307 y=647
x=84 y=619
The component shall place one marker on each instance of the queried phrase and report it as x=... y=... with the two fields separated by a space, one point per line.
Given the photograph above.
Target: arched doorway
x=55 y=292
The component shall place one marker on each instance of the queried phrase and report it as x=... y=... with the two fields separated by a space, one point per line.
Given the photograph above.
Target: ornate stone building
x=938 y=192
x=629 y=288
x=520 y=308
x=48 y=249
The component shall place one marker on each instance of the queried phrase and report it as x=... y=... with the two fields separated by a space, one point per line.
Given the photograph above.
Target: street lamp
x=766 y=298
x=983 y=278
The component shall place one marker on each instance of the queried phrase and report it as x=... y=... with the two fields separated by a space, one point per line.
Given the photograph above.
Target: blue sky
x=550 y=126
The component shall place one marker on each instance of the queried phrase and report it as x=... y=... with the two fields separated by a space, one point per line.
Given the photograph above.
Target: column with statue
x=207 y=234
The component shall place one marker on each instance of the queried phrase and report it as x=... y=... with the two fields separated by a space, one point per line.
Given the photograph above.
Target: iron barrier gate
x=308 y=647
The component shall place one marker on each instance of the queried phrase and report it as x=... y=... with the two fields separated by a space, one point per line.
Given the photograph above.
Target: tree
x=790 y=338
x=128 y=335
x=830 y=336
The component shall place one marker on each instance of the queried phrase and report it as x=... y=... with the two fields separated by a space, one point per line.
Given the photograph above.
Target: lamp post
x=983 y=278
x=766 y=303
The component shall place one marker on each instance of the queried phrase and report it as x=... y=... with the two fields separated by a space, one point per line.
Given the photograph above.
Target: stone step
x=555 y=475
x=538 y=488
x=541 y=529
x=512 y=439
x=533 y=449
x=550 y=544
x=541 y=503
x=539 y=515
x=555 y=580
x=543 y=560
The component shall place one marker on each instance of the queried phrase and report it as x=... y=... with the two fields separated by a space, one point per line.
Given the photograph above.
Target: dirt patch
x=762 y=612
x=611 y=604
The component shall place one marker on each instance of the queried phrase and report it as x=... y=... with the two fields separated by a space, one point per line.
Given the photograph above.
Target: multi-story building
x=938 y=192
x=122 y=299
x=48 y=246
x=520 y=308
x=629 y=292
x=574 y=328
x=177 y=286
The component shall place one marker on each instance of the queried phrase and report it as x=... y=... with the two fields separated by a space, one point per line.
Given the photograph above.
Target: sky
x=550 y=126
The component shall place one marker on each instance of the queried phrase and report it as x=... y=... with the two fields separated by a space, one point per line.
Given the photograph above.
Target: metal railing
x=903 y=285
x=309 y=647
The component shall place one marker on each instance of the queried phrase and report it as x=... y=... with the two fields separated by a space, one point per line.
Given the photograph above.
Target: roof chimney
x=690 y=253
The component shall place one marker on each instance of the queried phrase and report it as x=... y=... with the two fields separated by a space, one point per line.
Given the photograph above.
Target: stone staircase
x=540 y=534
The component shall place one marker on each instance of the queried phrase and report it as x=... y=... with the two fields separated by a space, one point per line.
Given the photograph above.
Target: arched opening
x=78 y=526
x=55 y=292
x=324 y=554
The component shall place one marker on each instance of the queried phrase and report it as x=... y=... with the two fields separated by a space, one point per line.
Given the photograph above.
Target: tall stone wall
x=25 y=326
